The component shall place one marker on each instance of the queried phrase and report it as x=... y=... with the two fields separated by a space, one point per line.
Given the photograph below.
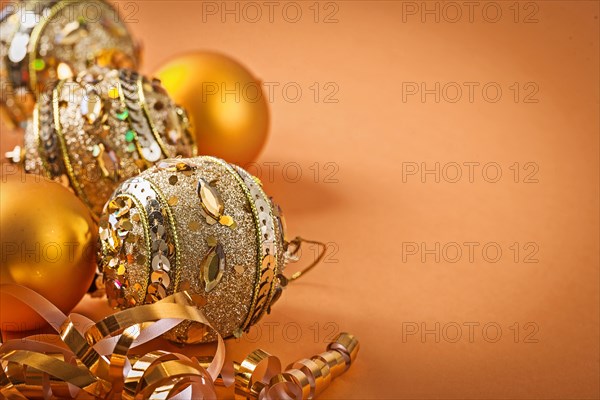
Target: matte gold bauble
x=226 y=104
x=48 y=243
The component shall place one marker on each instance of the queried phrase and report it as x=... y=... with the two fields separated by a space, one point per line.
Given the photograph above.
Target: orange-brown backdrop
x=427 y=138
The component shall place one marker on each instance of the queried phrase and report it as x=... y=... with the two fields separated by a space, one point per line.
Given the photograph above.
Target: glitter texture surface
x=229 y=304
x=98 y=151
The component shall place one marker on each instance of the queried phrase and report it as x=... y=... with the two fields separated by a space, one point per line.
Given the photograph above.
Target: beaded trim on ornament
x=268 y=268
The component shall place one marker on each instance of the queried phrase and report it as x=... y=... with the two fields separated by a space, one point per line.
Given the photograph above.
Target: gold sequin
x=126 y=225
x=239 y=269
x=157 y=290
x=113 y=93
x=161 y=262
x=212 y=241
x=227 y=221
x=130 y=301
x=140 y=259
x=160 y=277
x=91 y=106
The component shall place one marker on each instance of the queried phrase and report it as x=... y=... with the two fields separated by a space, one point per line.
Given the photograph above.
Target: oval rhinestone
x=91 y=105
x=210 y=199
x=64 y=71
x=70 y=34
x=167 y=165
x=18 y=47
x=212 y=267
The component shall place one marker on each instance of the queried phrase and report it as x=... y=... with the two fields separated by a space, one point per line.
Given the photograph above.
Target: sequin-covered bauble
x=42 y=41
x=104 y=126
x=201 y=225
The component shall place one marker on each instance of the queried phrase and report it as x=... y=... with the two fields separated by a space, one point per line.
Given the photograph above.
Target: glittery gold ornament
x=222 y=240
x=48 y=245
x=42 y=41
x=226 y=103
x=102 y=127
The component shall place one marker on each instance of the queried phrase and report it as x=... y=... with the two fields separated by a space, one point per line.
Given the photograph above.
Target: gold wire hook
x=293 y=255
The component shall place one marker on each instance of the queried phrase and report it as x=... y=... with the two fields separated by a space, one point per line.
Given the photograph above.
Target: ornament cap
x=16 y=155
x=293 y=254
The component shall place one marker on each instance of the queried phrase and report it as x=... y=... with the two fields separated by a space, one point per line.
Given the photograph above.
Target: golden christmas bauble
x=98 y=129
x=48 y=244
x=45 y=40
x=201 y=225
x=227 y=106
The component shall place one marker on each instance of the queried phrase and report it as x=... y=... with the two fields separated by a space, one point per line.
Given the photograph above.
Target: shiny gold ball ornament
x=48 y=245
x=226 y=103
x=95 y=130
x=200 y=225
x=42 y=41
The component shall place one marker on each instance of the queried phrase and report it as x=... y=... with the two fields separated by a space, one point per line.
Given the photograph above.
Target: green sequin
x=123 y=115
x=39 y=64
x=129 y=136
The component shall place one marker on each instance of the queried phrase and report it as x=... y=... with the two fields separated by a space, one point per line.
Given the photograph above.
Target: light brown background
x=370 y=212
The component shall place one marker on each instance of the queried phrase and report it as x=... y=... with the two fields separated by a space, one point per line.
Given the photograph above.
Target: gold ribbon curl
x=86 y=364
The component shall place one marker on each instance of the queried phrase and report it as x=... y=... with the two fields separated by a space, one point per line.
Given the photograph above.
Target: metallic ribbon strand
x=93 y=360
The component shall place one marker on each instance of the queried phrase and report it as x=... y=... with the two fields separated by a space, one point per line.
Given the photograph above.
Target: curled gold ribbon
x=305 y=379
x=93 y=360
